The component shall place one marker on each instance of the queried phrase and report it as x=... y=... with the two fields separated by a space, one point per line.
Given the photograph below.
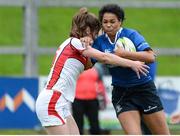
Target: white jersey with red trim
x=68 y=64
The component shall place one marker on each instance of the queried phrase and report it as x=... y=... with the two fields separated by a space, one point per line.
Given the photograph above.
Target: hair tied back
x=83 y=10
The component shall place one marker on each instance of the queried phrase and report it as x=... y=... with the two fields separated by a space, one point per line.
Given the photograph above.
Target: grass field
x=54 y=25
x=160 y=27
x=174 y=129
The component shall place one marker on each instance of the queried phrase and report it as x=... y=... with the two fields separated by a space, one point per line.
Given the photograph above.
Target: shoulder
x=133 y=35
x=129 y=31
x=76 y=43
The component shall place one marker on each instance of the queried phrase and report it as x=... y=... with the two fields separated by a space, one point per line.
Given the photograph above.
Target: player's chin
x=109 y=31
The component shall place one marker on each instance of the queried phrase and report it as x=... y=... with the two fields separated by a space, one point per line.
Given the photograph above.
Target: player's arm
x=144 y=53
x=108 y=58
x=147 y=56
x=144 y=56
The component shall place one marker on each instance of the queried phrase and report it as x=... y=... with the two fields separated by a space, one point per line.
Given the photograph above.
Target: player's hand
x=86 y=41
x=119 y=51
x=140 y=68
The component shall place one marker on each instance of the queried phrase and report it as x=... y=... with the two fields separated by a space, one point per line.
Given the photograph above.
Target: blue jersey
x=152 y=70
x=124 y=77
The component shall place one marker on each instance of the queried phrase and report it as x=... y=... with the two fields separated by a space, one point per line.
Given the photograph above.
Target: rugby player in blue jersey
x=132 y=97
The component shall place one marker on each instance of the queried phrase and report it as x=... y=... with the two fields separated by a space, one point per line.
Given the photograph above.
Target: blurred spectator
x=90 y=97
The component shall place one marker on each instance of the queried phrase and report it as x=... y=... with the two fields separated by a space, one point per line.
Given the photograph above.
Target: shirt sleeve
x=76 y=43
x=139 y=41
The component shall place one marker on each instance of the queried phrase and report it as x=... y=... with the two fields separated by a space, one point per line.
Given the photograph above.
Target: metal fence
x=31 y=50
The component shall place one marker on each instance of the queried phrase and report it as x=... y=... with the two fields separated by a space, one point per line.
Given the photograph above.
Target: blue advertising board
x=168 y=89
x=17 y=102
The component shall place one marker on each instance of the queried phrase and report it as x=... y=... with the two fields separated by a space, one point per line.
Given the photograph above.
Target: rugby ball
x=125 y=44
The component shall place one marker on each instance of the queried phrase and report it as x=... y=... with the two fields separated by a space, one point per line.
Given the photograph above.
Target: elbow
x=151 y=58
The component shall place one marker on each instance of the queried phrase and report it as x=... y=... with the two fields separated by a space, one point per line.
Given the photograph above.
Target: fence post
x=30 y=38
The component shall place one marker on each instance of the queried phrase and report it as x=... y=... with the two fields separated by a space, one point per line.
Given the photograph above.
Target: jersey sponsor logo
x=14 y=103
x=150 y=108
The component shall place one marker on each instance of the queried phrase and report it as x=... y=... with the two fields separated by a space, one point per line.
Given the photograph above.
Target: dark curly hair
x=114 y=9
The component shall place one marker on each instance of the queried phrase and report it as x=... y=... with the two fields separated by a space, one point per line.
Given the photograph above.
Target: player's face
x=110 y=24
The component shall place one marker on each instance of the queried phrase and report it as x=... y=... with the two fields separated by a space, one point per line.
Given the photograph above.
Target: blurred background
x=31 y=31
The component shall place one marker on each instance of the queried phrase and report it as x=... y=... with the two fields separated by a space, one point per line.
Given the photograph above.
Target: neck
x=112 y=37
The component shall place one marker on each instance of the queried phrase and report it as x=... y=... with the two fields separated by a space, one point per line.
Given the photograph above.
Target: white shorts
x=52 y=108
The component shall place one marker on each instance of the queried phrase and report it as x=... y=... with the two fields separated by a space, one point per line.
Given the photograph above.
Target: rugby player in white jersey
x=73 y=57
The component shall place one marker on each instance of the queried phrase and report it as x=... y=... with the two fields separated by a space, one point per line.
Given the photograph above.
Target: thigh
x=57 y=130
x=157 y=123
x=69 y=128
x=72 y=126
x=130 y=122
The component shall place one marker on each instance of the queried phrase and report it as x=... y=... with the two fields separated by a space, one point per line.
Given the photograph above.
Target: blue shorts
x=143 y=98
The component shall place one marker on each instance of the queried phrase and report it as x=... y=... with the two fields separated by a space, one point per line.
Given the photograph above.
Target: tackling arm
x=112 y=59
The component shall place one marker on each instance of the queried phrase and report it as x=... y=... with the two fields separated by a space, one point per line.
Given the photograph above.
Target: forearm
x=106 y=58
x=116 y=60
x=144 y=56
